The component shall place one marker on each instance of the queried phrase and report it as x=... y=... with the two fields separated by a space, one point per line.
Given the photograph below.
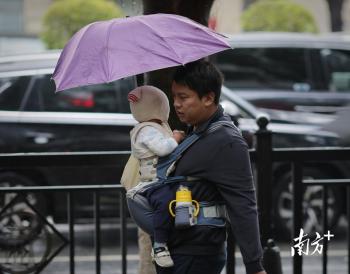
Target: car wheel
x=18 y=228
x=19 y=215
x=12 y=179
x=34 y=249
x=312 y=205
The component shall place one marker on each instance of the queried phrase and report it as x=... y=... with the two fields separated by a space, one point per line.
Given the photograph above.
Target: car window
x=264 y=68
x=109 y=98
x=338 y=68
x=12 y=90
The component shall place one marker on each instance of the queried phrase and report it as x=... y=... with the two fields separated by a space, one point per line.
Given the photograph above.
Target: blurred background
x=21 y=21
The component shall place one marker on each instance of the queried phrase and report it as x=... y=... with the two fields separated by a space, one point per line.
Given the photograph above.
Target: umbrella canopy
x=106 y=51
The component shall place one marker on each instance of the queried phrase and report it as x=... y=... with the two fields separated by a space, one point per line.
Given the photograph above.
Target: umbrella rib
x=160 y=36
x=107 y=49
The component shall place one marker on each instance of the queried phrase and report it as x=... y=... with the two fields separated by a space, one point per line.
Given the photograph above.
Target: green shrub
x=66 y=17
x=277 y=15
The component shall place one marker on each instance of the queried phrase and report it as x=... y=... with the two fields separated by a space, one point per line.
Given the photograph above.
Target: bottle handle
x=171 y=208
x=196 y=205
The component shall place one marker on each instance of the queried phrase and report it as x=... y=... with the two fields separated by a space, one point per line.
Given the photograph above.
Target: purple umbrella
x=106 y=51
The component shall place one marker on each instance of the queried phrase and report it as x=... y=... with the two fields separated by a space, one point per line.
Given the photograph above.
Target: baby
x=150 y=139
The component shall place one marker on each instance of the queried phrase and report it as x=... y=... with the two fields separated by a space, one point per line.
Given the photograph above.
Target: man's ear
x=209 y=99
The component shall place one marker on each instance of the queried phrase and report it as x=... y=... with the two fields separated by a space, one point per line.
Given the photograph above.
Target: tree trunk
x=197 y=10
x=247 y=3
x=335 y=11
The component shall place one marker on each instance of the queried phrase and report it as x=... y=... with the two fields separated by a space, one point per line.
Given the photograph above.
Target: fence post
x=231 y=259
x=297 y=169
x=272 y=258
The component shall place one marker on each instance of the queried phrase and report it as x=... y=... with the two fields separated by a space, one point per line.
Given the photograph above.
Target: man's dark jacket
x=222 y=162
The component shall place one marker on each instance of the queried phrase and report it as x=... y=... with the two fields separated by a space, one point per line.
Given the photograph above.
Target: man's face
x=189 y=107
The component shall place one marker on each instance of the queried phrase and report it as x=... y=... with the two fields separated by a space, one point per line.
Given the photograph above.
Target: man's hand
x=178 y=135
x=261 y=272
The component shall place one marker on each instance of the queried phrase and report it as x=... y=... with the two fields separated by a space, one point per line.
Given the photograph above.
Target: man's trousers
x=195 y=264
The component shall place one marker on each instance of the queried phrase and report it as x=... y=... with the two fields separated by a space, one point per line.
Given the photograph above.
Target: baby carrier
x=209 y=213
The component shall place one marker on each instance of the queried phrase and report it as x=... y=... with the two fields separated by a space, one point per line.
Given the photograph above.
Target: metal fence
x=70 y=192
x=264 y=157
x=92 y=159
x=298 y=157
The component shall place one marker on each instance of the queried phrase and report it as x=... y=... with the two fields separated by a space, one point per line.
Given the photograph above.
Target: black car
x=33 y=118
x=289 y=71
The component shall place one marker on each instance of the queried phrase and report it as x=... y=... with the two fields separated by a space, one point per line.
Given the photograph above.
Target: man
x=221 y=161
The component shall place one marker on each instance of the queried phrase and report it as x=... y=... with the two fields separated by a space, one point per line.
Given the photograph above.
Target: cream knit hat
x=148 y=102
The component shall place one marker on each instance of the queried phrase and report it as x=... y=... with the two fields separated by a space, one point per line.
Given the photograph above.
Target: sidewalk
x=111 y=259
x=111 y=263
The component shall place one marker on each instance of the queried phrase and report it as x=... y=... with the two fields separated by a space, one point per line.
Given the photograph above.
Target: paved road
x=111 y=264
x=111 y=259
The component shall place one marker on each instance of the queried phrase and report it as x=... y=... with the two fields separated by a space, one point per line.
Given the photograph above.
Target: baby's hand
x=178 y=135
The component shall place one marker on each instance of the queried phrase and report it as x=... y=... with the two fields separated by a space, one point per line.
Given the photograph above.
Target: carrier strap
x=165 y=163
x=212 y=214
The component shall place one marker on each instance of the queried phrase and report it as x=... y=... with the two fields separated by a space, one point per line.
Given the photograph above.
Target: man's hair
x=200 y=76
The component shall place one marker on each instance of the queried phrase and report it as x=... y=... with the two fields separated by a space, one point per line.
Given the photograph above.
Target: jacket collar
x=203 y=126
